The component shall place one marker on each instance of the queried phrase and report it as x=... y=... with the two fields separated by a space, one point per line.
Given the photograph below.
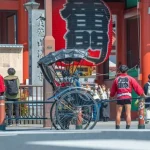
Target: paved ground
x=99 y=125
x=103 y=137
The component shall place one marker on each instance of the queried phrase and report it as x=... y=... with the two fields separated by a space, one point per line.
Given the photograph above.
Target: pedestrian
x=147 y=100
x=12 y=94
x=88 y=87
x=108 y=92
x=97 y=99
x=2 y=85
x=123 y=85
x=105 y=110
x=76 y=77
x=96 y=86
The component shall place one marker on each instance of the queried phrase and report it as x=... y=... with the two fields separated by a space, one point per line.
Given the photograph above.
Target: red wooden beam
x=116 y=7
x=130 y=13
x=9 y=5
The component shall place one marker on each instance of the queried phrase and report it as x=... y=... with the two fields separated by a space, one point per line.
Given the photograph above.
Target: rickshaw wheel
x=53 y=117
x=74 y=110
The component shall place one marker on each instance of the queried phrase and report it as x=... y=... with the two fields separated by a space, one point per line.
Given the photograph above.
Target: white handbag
x=147 y=115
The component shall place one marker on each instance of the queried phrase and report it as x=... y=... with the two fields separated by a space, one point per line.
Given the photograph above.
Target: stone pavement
x=103 y=137
x=99 y=125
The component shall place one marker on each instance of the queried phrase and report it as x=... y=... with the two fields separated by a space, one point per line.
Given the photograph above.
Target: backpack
x=2 y=85
x=148 y=90
x=12 y=87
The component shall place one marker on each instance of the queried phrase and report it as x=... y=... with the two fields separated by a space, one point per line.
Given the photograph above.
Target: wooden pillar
x=23 y=37
x=4 y=26
x=49 y=46
x=99 y=70
x=145 y=39
x=121 y=51
x=117 y=9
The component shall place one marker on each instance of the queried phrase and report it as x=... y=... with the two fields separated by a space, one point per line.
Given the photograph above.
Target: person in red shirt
x=122 y=86
x=2 y=86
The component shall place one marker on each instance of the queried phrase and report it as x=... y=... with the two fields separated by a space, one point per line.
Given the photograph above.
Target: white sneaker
x=9 y=125
x=18 y=124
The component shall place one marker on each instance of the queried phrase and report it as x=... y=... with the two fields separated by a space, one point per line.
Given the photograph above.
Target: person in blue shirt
x=76 y=81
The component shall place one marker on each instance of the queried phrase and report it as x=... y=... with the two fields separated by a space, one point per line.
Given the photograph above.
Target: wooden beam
x=116 y=7
x=131 y=13
x=9 y=5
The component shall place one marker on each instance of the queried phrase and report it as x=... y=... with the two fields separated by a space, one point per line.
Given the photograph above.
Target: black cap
x=123 y=68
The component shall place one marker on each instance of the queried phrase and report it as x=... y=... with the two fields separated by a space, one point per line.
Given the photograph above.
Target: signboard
x=86 y=25
x=11 y=56
x=36 y=36
x=131 y=3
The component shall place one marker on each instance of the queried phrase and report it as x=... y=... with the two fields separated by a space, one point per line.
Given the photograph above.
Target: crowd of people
x=100 y=92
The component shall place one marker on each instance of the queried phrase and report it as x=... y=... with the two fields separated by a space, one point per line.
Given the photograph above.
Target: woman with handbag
x=97 y=99
x=105 y=109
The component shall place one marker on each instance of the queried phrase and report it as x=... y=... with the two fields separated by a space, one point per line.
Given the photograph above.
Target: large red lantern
x=84 y=25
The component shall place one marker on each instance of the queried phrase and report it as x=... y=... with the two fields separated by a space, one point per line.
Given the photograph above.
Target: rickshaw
x=73 y=105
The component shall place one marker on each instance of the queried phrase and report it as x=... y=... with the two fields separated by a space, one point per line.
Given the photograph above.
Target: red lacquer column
x=145 y=39
x=23 y=37
x=121 y=51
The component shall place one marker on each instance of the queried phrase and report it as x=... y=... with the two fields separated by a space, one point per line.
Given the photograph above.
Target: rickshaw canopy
x=64 y=56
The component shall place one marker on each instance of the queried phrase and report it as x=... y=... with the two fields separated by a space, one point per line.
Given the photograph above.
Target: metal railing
x=30 y=108
x=33 y=117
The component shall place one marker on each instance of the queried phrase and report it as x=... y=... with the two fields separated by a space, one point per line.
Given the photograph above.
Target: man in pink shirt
x=122 y=86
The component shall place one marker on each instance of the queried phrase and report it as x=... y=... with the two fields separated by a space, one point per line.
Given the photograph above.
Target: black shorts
x=124 y=102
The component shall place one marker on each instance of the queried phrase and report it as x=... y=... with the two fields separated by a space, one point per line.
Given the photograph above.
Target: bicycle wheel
x=74 y=110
